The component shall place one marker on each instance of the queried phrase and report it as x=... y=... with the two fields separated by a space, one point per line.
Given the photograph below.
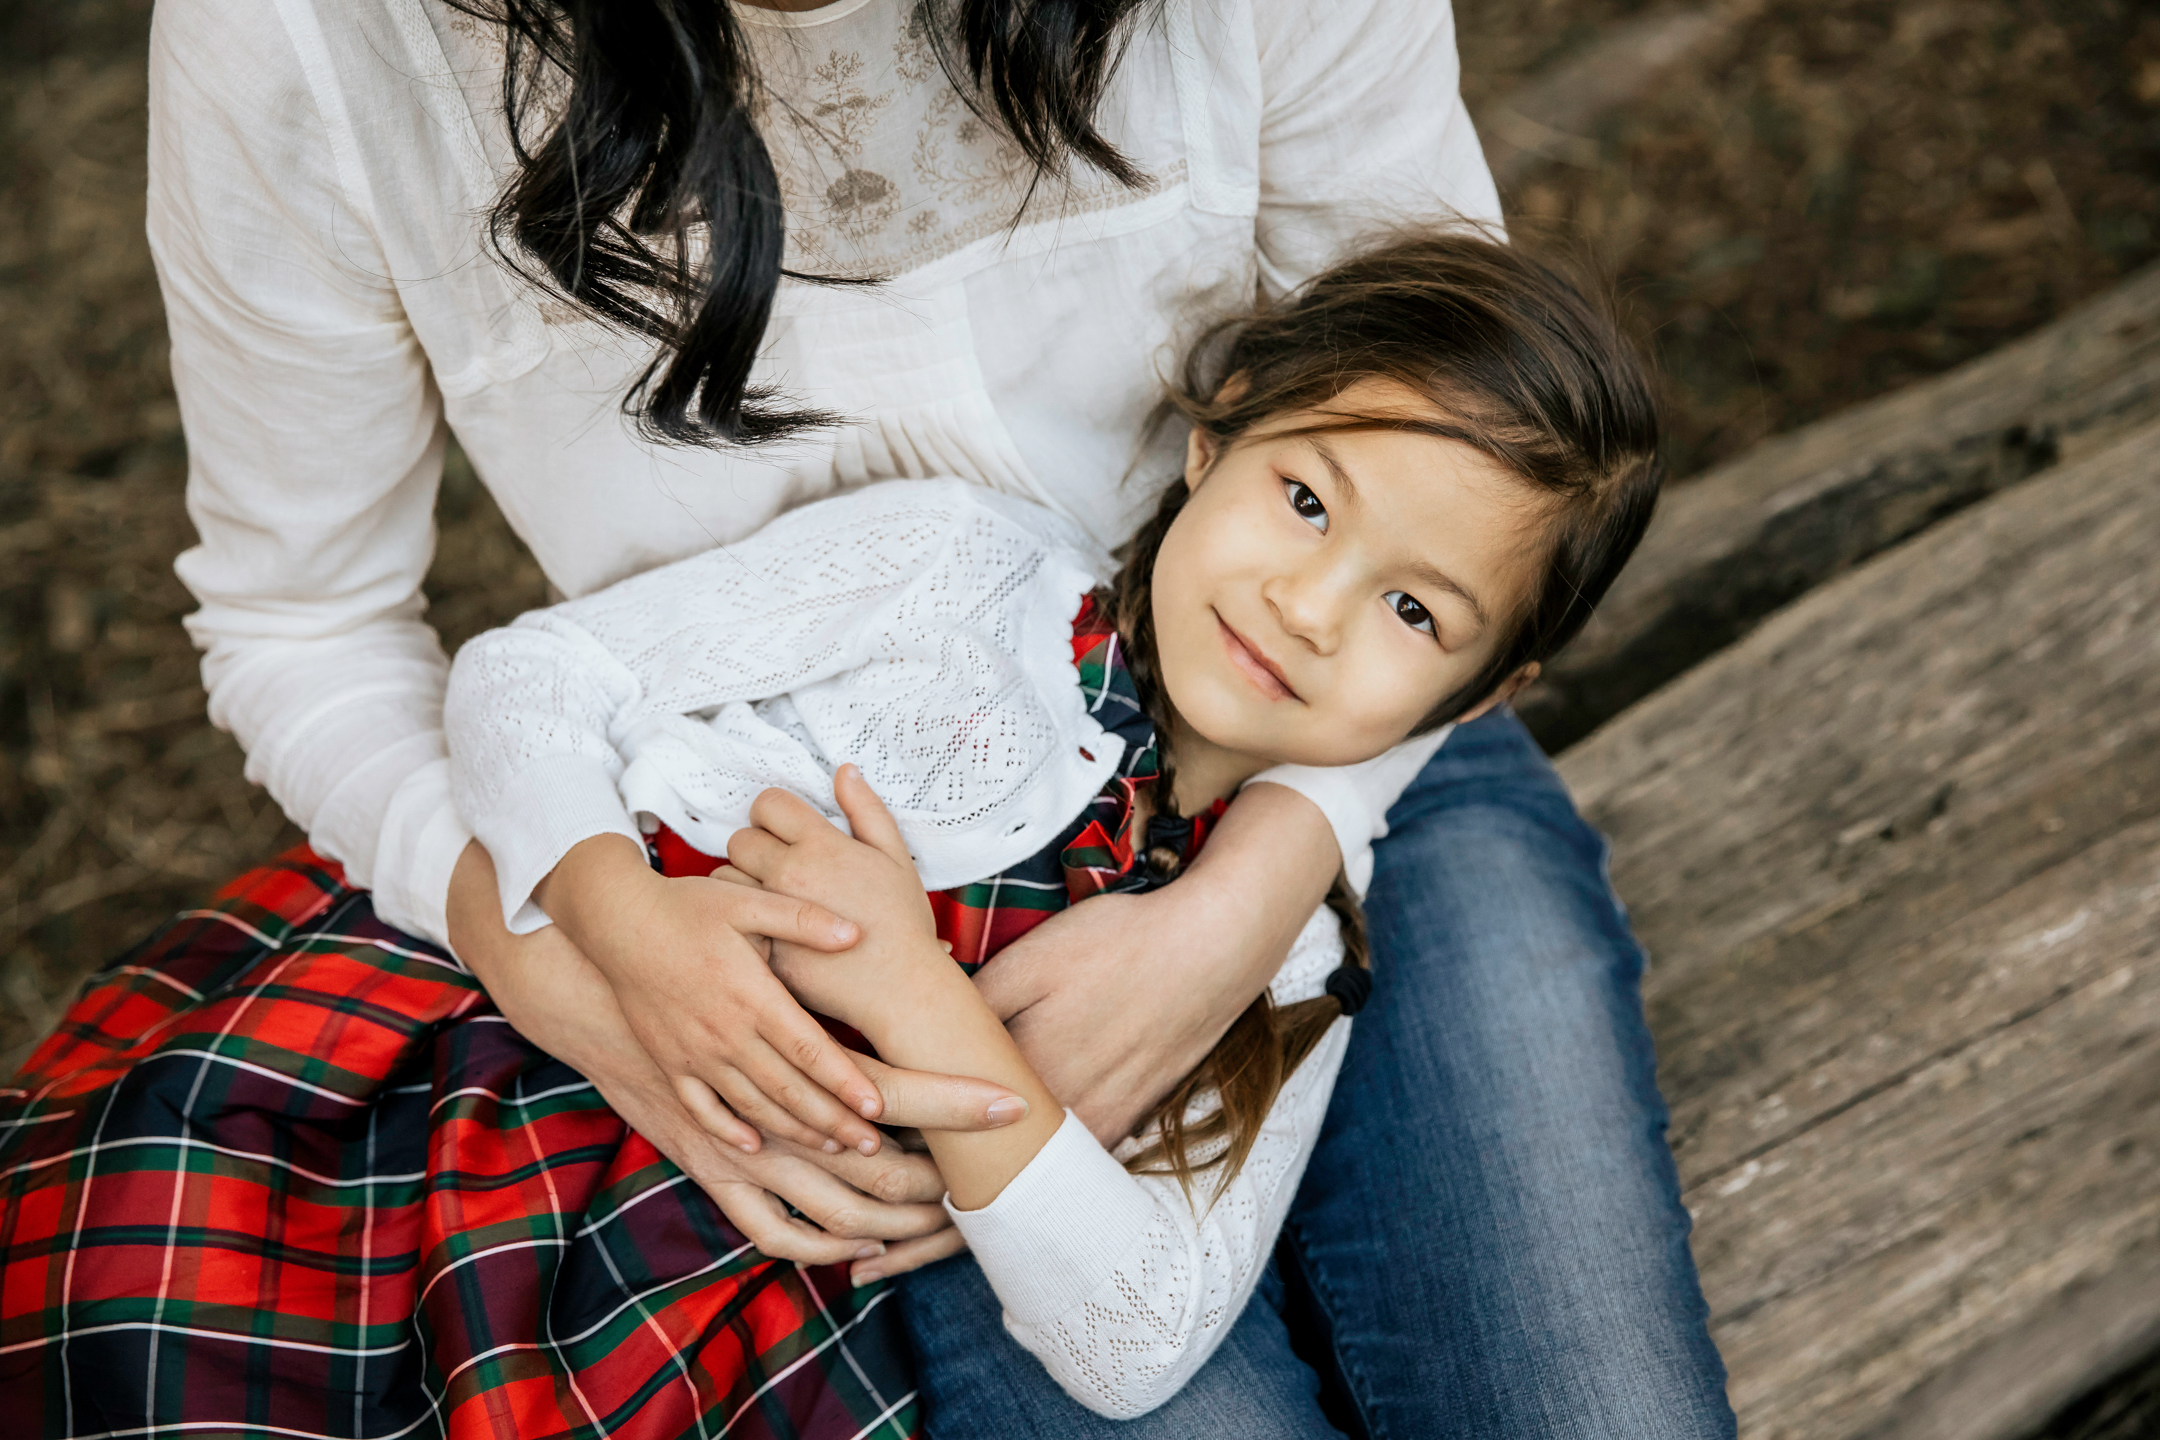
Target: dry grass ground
x=1826 y=199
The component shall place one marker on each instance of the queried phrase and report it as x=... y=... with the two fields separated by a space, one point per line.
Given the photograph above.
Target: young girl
x=1404 y=491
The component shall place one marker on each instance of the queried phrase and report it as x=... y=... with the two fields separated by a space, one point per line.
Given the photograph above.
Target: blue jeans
x=1489 y=1241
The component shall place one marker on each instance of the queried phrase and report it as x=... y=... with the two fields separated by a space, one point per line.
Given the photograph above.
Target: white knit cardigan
x=318 y=175
x=921 y=630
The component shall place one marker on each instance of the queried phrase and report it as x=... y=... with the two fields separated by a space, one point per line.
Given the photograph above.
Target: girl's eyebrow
x=1334 y=464
x=1425 y=571
x=1439 y=580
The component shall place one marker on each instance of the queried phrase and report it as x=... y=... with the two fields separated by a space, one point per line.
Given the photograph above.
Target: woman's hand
x=686 y=959
x=1117 y=999
x=559 y=1001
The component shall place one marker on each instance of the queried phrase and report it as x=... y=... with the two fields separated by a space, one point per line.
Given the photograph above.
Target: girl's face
x=1319 y=594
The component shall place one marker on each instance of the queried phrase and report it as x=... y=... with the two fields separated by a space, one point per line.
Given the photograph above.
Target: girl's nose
x=1308 y=605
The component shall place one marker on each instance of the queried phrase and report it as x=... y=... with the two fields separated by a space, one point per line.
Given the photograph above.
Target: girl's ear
x=1200 y=451
x=1203 y=449
x=1508 y=690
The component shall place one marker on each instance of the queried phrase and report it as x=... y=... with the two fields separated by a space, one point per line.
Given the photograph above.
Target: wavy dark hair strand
x=644 y=194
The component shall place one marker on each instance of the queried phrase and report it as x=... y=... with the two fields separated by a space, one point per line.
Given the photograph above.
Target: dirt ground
x=1825 y=200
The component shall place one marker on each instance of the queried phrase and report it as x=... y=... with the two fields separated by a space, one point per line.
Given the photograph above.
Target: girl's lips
x=1263 y=672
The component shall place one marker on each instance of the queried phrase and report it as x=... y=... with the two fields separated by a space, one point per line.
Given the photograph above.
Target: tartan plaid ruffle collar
x=1107 y=856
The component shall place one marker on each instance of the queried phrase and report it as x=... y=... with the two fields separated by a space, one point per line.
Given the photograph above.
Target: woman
x=320 y=178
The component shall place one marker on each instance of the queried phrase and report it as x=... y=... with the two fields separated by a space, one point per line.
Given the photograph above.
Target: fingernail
x=747 y=1148
x=1007 y=1110
x=868 y=1146
x=870 y=1252
x=869 y=1109
x=832 y=1147
x=867 y=1277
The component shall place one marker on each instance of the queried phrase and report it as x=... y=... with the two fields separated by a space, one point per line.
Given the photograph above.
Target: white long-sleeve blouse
x=921 y=630
x=319 y=174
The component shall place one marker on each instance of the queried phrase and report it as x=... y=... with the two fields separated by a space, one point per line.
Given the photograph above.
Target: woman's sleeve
x=1123 y=1285
x=1362 y=125
x=1356 y=798
x=315 y=443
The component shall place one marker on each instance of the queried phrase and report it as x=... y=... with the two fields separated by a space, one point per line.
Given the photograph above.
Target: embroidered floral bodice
x=883 y=166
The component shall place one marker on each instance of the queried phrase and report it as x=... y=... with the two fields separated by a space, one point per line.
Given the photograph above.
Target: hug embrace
x=880 y=959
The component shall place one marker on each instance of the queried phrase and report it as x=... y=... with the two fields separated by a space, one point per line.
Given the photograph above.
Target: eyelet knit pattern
x=919 y=630
x=1122 y=1285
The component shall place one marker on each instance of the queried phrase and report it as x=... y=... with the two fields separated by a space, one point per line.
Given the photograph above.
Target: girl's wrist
x=600 y=875
x=928 y=1004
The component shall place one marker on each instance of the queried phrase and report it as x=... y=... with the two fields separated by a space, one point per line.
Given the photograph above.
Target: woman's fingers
x=804 y=1047
x=779 y=917
x=765 y=1223
x=929 y=1101
x=751 y=1104
x=808 y=1181
x=721 y=1123
x=892 y=1175
x=902 y=1256
x=781 y=1101
x=867 y=816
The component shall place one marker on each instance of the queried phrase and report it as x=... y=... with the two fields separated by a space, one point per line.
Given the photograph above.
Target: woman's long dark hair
x=645 y=195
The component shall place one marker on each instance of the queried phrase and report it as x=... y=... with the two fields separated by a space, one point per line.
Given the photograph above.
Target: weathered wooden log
x=1733 y=545
x=1896 y=859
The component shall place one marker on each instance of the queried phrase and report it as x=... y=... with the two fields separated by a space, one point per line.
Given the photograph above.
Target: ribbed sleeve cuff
x=1060 y=1229
x=545 y=809
x=422 y=837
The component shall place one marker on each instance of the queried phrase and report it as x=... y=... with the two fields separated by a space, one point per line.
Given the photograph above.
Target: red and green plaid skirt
x=285 y=1171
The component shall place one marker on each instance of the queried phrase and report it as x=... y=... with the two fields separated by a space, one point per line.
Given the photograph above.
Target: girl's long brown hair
x=1516 y=362
x=1266 y=1042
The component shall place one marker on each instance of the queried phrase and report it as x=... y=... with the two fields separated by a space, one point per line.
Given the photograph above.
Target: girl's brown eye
x=1407 y=610
x=1306 y=504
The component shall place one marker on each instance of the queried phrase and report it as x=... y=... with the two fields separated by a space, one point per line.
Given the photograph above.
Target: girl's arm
x=1066 y=988
x=898 y=985
x=1122 y=1285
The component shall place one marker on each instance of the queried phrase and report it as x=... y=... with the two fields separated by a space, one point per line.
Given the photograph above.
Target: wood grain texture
x=1731 y=546
x=1896 y=858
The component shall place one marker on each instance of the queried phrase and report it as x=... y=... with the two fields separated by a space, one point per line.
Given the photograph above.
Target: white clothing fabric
x=923 y=631
x=919 y=629
x=1121 y=1284
x=318 y=174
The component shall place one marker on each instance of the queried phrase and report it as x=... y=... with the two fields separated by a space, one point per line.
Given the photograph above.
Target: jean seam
x=1354 y=1378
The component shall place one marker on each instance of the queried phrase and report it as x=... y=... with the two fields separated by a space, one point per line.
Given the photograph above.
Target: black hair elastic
x=1351 y=985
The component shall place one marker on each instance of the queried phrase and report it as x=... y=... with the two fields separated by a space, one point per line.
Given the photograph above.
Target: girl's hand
x=899 y=985
x=1109 y=1015
x=685 y=958
x=793 y=851
x=560 y=1002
